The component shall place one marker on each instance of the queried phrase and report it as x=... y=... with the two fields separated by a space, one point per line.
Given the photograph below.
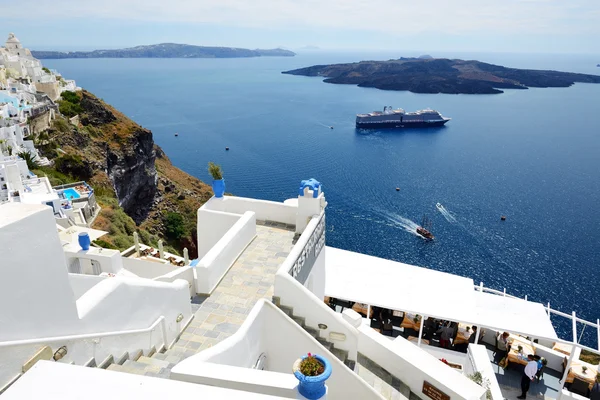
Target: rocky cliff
x=120 y=160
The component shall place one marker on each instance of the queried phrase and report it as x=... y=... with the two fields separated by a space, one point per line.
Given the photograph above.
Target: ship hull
x=398 y=124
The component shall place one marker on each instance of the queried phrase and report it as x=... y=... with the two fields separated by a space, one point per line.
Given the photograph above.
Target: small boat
x=439 y=206
x=176 y=134
x=423 y=230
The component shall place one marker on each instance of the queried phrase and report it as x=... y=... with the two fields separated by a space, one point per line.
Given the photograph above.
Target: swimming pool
x=71 y=193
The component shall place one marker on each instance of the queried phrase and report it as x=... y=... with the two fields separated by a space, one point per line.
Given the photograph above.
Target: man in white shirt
x=528 y=375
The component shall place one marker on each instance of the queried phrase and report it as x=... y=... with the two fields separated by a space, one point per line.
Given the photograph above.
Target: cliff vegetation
x=134 y=181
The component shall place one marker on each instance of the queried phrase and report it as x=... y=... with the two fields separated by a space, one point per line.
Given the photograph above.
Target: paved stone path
x=250 y=278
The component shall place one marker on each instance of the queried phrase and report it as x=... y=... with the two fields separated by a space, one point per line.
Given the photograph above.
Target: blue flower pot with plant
x=84 y=240
x=218 y=184
x=312 y=371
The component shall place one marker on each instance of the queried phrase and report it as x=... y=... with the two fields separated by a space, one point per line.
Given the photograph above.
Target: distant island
x=441 y=75
x=166 y=50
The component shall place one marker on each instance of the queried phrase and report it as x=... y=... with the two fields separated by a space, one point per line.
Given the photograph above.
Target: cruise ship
x=398 y=118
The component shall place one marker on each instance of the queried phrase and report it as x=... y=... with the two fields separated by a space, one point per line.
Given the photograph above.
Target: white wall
x=147 y=269
x=214 y=265
x=110 y=260
x=131 y=303
x=479 y=359
x=82 y=283
x=35 y=294
x=212 y=225
x=267 y=330
x=264 y=210
x=413 y=366
x=186 y=273
x=307 y=305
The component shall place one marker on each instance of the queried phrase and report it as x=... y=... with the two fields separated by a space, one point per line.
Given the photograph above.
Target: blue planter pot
x=84 y=241
x=312 y=387
x=218 y=187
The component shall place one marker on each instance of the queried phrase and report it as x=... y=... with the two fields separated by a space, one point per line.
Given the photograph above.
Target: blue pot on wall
x=84 y=241
x=218 y=186
x=312 y=387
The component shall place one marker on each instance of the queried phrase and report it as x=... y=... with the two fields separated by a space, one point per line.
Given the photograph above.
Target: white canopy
x=397 y=286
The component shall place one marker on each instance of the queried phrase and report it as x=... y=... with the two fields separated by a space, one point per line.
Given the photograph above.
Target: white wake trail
x=404 y=223
x=447 y=214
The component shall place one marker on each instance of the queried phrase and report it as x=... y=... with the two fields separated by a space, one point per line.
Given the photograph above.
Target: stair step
x=151 y=352
x=312 y=331
x=342 y=355
x=9 y=383
x=153 y=361
x=350 y=364
x=90 y=363
x=122 y=359
x=325 y=343
x=160 y=356
x=139 y=368
x=288 y=310
x=136 y=354
x=299 y=320
x=106 y=362
x=116 y=367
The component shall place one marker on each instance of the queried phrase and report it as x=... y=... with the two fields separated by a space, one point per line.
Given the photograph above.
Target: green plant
x=215 y=170
x=71 y=97
x=310 y=366
x=105 y=244
x=481 y=381
x=584 y=368
x=46 y=70
x=29 y=158
x=520 y=348
x=174 y=226
x=416 y=318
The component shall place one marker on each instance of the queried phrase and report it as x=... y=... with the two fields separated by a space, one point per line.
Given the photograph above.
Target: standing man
x=528 y=375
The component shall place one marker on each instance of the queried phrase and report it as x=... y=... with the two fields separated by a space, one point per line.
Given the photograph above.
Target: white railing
x=573 y=317
x=81 y=348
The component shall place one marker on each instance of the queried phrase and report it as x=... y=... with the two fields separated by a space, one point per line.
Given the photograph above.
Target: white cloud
x=387 y=16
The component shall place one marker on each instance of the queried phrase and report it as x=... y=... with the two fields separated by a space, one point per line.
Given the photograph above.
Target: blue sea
x=531 y=155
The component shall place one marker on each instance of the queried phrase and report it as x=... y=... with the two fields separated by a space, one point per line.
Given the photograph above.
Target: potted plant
x=584 y=368
x=520 y=348
x=312 y=371
x=218 y=184
x=416 y=318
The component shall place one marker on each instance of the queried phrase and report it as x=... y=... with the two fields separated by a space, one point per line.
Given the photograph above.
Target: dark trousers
x=525 y=382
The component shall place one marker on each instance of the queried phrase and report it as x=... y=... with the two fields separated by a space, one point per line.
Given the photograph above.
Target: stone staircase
x=381 y=380
x=157 y=364
x=342 y=355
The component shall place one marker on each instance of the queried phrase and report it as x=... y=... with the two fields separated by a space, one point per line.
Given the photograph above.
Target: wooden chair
x=580 y=387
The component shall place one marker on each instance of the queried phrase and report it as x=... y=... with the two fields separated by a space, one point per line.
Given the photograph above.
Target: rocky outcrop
x=133 y=174
x=440 y=75
x=96 y=113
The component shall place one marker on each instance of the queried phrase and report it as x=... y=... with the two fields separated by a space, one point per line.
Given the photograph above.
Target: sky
x=539 y=26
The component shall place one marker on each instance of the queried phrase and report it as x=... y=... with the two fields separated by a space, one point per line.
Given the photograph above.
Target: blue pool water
x=71 y=193
x=531 y=155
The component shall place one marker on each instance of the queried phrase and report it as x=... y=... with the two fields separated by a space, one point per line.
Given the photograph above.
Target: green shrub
x=215 y=170
x=73 y=165
x=71 y=97
x=174 y=226
x=105 y=244
x=29 y=158
x=69 y=109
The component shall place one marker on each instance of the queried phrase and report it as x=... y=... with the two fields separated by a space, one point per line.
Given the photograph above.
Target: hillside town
x=267 y=310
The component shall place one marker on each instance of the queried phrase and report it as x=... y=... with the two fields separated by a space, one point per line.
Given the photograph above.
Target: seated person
x=446 y=334
x=474 y=334
x=503 y=346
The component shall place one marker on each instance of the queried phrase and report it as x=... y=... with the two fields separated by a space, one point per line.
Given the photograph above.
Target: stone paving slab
x=251 y=278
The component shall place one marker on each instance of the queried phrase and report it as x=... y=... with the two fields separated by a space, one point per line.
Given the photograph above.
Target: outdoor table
x=462 y=336
x=415 y=339
x=362 y=308
x=563 y=348
x=409 y=322
x=576 y=370
x=514 y=355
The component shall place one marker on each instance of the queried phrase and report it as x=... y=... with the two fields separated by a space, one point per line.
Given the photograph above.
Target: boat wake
x=404 y=223
x=447 y=214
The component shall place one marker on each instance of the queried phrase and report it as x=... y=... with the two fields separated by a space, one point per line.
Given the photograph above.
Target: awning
x=397 y=286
